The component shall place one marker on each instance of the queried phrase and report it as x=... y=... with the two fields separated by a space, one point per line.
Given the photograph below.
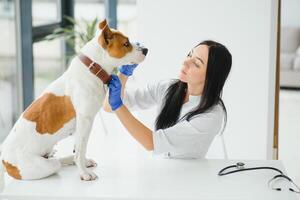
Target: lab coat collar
x=194 y=99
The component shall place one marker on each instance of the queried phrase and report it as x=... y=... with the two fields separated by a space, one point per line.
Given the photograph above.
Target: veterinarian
x=191 y=111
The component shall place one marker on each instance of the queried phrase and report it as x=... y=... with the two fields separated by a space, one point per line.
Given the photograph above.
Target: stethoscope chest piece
x=240 y=165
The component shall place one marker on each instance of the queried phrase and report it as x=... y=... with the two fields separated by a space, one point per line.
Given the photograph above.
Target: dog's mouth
x=139 y=59
x=138 y=55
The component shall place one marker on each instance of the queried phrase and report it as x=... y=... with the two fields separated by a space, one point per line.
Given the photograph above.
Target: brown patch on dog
x=116 y=44
x=13 y=171
x=50 y=113
x=102 y=24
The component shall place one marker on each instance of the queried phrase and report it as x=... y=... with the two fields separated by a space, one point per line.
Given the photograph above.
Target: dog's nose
x=145 y=51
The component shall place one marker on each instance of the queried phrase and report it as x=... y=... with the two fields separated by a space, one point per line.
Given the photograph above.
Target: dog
x=67 y=107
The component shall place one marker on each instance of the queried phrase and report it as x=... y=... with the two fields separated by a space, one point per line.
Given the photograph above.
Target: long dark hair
x=218 y=68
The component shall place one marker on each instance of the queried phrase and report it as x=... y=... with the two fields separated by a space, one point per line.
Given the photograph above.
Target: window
x=48 y=56
x=45 y=12
x=48 y=64
x=127 y=18
x=89 y=9
x=8 y=67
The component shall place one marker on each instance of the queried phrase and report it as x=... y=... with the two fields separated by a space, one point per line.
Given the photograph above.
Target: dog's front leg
x=83 y=129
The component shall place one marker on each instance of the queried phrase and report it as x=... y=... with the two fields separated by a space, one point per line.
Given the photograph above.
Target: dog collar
x=95 y=68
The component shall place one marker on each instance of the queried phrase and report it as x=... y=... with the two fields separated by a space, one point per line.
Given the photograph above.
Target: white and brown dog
x=67 y=107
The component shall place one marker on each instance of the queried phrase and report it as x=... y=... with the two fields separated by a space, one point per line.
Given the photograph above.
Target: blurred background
x=29 y=61
x=49 y=58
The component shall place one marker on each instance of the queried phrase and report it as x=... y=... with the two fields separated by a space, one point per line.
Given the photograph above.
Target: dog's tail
x=2 y=183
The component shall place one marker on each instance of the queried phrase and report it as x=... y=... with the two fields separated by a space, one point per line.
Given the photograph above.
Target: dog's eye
x=126 y=44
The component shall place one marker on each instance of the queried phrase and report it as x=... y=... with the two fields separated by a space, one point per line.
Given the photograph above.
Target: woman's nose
x=186 y=63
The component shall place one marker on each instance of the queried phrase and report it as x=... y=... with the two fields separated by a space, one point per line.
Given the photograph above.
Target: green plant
x=77 y=34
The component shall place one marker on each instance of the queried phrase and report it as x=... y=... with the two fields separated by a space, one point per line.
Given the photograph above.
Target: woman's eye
x=197 y=64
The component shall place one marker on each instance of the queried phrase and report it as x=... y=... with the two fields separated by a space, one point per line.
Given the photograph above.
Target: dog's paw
x=50 y=154
x=90 y=163
x=88 y=176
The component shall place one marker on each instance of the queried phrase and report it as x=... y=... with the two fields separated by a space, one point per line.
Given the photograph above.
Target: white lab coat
x=186 y=139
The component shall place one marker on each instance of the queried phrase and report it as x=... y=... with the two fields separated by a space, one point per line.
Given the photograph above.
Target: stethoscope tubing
x=245 y=169
x=240 y=168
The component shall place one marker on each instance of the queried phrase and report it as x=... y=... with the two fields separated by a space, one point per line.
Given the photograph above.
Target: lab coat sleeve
x=146 y=97
x=192 y=137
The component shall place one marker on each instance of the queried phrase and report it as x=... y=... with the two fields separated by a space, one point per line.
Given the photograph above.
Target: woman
x=191 y=111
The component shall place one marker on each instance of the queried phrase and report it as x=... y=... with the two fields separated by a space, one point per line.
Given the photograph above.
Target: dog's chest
x=87 y=89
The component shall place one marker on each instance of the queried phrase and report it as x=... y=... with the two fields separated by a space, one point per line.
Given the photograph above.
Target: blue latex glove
x=115 y=89
x=127 y=70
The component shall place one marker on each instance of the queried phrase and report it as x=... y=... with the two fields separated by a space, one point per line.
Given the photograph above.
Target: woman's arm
x=123 y=79
x=138 y=130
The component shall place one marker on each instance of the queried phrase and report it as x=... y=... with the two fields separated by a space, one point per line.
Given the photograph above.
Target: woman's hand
x=115 y=89
x=127 y=70
x=138 y=130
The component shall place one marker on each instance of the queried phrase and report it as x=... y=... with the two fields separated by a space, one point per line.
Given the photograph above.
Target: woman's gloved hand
x=115 y=89
x=127 y=70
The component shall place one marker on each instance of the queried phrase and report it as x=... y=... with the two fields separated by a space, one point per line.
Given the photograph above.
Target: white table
x=132 y=176
x=153 y=178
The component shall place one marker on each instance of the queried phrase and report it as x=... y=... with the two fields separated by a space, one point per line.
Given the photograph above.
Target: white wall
x=290 y=13
x=171 y=28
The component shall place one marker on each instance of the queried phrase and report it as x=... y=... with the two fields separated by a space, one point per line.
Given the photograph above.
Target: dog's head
x=118 y=49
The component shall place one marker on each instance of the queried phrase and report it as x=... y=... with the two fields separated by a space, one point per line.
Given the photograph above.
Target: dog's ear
x=102 y=24
x=105 y=36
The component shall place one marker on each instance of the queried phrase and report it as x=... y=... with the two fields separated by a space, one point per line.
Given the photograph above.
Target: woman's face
x=193 y=69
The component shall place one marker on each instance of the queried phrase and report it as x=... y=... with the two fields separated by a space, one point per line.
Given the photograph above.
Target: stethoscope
x=240 y=167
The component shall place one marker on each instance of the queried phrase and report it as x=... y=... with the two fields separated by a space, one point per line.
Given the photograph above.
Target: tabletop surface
x=125 y=174
x=155 y=178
